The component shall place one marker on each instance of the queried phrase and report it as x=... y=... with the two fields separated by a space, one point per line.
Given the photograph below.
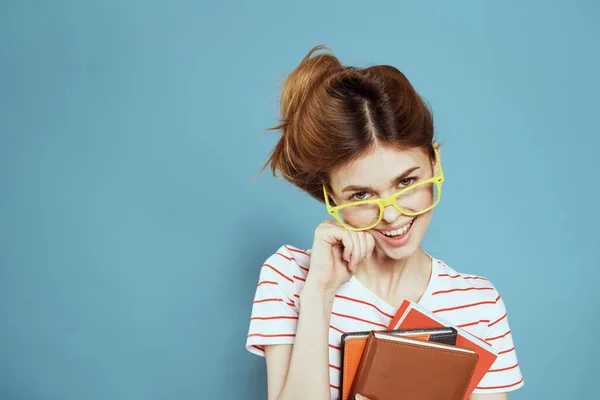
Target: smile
x=398 y=232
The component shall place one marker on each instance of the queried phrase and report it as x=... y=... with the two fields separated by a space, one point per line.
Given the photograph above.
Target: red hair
x=332 y=114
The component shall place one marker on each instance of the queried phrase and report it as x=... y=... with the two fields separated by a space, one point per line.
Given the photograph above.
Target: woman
x=361 y=141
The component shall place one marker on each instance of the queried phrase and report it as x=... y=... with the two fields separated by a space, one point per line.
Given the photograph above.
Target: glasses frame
x=391 y=200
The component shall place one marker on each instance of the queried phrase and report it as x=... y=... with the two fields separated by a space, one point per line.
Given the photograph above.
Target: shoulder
x=289 y=259
x=286 y=267
x=465 y=298
x=453 y=281
x=275 y=308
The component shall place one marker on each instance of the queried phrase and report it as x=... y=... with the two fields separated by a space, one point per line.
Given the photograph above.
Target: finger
x=359 y=250
x=336 y=251
x=348 y=243
x=370 y=245
x=355 y=251
x=364 y=244
x=337 y=236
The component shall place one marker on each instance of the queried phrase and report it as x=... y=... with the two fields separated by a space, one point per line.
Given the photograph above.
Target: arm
x=301 y=370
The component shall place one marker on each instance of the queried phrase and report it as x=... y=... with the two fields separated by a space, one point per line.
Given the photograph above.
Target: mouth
x=399 y=232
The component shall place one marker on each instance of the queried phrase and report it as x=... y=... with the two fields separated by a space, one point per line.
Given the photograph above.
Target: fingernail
x=358 y=397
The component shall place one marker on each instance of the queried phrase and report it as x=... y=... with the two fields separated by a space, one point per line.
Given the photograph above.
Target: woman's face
x=378 y=174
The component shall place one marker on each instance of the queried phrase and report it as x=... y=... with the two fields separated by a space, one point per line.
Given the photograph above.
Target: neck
x=396 y=280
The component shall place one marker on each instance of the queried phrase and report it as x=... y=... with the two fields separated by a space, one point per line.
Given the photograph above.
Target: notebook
x=353 y=345
x=412 y=315
x=394 y=367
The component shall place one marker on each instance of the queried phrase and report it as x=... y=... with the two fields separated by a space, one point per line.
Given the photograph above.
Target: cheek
x=421 y=225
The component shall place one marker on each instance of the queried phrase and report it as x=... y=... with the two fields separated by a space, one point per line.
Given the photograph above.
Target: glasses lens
x=418 y=199
x=361 y=216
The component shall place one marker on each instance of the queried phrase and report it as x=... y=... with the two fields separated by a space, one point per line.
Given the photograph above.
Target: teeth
x=399 y=231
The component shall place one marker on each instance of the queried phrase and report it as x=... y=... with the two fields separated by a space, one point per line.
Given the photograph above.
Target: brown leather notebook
x=394 y=367
x=353 y=346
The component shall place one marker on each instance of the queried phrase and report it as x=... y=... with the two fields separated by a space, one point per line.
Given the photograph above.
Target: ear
x=436 y=168
x=329 y=192
x=332 y=201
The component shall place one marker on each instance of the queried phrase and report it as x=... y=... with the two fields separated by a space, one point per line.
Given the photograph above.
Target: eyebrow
x=357 y=188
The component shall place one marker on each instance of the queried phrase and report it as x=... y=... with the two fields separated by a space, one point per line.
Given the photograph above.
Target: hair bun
x=306 y=79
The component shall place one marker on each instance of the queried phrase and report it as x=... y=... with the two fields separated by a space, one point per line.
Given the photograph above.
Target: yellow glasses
x=412 y=200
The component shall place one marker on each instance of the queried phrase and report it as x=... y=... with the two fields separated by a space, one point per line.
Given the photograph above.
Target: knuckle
x=322 y=226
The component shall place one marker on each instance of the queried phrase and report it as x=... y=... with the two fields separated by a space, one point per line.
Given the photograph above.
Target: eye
x=407 y=181
x=359 y=196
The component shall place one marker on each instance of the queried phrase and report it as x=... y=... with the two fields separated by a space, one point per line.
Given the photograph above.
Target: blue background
x=132 y=232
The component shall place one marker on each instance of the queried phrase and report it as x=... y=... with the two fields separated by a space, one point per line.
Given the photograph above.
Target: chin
x=404 y=251
x=401 y=253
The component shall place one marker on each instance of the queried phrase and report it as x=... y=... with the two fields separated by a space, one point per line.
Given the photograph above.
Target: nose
x=390 y=214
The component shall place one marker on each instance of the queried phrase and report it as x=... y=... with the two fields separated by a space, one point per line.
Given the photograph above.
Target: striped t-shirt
x=467 y=301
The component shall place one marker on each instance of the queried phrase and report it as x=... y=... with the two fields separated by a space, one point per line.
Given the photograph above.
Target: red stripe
x=496 y=321
x=296 y=295
x=292 y=259
x=464 y=277
x=339 y=330
x=473 y=323
x=300 y=279
x=273 y=335
x=498 y=337
x=335 y=347
x=358 y=319
x=286 y=257
x=275 y=269
x=504 y=369
x=276 y=317
x=266 y=300
x=506 y=351
x=462 y=290
x=335 y=387
x=500 y=387
x=296 y=250
x=289 y=303
x=334 y=367
x=478 y=338
x=465 y=306
x=267 y=283
x=365 y=303
x=449 y=276
x=258 y=347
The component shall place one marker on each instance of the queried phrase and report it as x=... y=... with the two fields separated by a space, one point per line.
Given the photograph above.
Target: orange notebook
x=411 y=315
x=394 y=367
x=353 y=345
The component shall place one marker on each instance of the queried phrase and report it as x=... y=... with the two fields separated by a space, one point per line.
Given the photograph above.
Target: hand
x=336 y=252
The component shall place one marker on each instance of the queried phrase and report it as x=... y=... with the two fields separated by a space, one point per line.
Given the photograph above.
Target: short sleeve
x=505 y=374
x=274 y=310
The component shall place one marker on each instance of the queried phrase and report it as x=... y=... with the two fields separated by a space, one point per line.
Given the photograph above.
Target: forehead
x=378 y=167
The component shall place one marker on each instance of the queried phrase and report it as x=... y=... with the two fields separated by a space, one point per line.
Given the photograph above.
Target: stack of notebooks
x=420 y=356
